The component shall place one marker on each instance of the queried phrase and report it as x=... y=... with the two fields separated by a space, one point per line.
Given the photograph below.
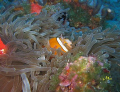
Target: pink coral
x=2 y=47
x=69 y=79
x=35 y=8
x=66 y=82
x=91 y=59
x=100 y=63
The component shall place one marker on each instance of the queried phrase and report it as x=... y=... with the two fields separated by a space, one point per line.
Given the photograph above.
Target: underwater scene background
x=59 y=45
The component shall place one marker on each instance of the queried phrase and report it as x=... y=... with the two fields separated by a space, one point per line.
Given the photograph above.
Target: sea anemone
x=28 y=66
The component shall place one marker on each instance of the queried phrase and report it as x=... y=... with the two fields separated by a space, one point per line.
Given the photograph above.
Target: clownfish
x=63 y=44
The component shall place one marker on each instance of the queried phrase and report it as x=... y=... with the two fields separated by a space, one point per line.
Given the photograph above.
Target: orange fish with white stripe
x=63 y=44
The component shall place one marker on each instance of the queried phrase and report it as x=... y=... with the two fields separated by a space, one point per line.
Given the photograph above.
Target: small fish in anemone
x=63 y=44
x=2 y=47
x=35 y=8
x=63 y=17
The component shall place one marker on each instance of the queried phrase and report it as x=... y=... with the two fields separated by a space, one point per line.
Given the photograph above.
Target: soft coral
x=35 y=8
x=2 y=47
